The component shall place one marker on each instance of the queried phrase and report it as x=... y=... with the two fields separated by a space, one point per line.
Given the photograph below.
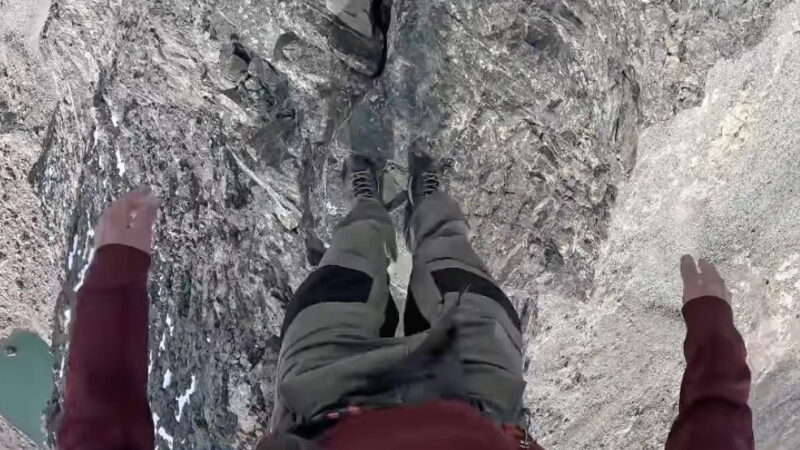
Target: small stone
x=252 y=84
x=236 y=66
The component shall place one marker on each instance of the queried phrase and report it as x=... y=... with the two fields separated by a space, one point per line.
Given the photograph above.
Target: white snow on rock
x=120 y=161
x=163 y=433
x=67 y=319
x=184 y=398
x=72 y=254
x=83 y=272
x=167 y=379
x=63 y=364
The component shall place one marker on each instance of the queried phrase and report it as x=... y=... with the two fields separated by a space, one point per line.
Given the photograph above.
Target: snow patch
x=67 y=319
x=163 y=344
x=120 y=162
x=170 y=325
x=83 y=271
x=73 y=252
x=86 y=248
x=63 y=364
x=167 y=379
x=163 y=433
x=65 y=328
x=184 y=399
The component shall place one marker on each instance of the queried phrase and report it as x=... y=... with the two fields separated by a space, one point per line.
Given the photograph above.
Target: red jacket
x=106 y=399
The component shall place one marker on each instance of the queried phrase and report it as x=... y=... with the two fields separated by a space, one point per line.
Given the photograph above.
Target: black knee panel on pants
x=458 y=280
x=328 y=284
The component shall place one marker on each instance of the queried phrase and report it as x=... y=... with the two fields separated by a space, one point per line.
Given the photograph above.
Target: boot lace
x=430 y=183
x=362 y=184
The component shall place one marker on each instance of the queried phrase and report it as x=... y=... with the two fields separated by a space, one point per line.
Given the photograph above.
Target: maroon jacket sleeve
x=105 y=403
x=713 y=412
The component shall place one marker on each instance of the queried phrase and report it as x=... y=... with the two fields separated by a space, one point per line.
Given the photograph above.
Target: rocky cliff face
x=11 y=438
x=240 y=113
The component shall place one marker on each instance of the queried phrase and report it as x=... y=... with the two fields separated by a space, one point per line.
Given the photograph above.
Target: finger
x=138 y=198
x=141 y=207
x=118 y=212
x=144 y=203
x=688 y=267
x=708 y=269
x=146 y=213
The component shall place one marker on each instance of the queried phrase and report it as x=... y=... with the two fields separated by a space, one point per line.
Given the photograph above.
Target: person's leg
x=444 y=262
x=448 y=273
x=354 y=268
x=344 y=301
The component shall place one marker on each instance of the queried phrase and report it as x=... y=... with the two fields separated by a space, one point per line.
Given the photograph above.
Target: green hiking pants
x=338 y=334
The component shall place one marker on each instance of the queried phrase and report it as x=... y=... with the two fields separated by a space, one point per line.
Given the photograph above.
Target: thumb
x=688 y=268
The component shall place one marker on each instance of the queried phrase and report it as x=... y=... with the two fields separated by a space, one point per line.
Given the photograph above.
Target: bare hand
x=703 y=282
x=129 y=221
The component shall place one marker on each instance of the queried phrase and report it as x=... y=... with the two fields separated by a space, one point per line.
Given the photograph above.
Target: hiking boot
x=362 y=176
x=424 y=176
x=357 y=34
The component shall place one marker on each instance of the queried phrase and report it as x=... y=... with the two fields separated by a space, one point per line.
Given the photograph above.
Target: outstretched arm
x=106 y=397
x=713 y=411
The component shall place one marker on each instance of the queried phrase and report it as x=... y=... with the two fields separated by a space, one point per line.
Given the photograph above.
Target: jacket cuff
x=707 y=315
x=116 y=265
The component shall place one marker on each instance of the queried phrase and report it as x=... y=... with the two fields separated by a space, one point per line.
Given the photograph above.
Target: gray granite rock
x=241 y=113
x=11 y=438
x=716 y=180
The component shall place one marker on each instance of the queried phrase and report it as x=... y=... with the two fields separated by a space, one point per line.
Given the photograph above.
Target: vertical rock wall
x=240 y=113
x=717 y=180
